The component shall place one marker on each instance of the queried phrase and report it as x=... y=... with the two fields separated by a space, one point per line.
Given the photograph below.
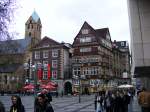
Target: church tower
x=33 y=28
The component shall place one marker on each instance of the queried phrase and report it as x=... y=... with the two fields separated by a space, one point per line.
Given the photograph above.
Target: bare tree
x=6 y=15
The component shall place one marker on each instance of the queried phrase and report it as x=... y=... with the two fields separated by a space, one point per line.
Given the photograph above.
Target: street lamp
x=79 y=88
x=34 y=69
x=27 y=68
x=77 y=77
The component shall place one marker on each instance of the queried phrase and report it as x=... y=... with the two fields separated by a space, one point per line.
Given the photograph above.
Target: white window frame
x=87 y=49
x=45 y=54
x=122 y=43
x=54 y=74
x=85 y=31
x=55 y=53
x=45 y=72
x=85 y=39
x=45 y=62
x=76 y=71
x=37 y=55
x=54 y=63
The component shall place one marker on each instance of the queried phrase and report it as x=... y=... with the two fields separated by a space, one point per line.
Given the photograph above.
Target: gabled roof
x=48 y=41
x=98 y=33
x=14 y=46
x=9 y=68
x=86 y=26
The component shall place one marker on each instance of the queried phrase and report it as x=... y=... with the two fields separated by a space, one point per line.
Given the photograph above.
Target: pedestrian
x=2 y=108
x=108 y=102
x=17 y=105
x=42 y=104
x=99 y=107
x=126 y=101
x=144 y=100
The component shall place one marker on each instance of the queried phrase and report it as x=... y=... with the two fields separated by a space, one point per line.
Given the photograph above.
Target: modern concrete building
x=139 y=15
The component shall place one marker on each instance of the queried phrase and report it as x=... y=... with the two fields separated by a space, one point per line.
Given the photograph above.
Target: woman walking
x=17 y=105
x=42 y=104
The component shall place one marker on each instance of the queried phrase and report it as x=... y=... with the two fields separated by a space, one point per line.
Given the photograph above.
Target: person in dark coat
x=118 y=103
x=42 y=104
x=2 y=108
x=126 y=101
x=17 y=105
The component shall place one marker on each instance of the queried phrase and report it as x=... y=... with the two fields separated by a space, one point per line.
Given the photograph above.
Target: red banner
x=40 y=75
x=49 y=71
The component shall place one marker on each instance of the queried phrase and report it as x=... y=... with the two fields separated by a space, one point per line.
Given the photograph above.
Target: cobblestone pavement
x=66 y=103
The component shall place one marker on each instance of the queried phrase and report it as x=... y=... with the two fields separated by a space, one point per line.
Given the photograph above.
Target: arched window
x=29 y=34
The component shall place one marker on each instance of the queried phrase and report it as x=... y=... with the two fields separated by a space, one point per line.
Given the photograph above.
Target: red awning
x=42 y=86
x=52 y=83
x=50 y=87
x=27 y=87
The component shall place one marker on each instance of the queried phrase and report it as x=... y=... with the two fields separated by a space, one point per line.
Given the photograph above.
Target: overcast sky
x=62 y=19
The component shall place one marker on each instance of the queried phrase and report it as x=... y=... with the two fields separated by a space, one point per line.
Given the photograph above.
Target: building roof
x=10 y=68
x=122 y=44
x=14 y=46
x=102 y=32
x=35 y=16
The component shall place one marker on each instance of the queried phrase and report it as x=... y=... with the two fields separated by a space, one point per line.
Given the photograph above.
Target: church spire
x=35 y=16
x=33 y=28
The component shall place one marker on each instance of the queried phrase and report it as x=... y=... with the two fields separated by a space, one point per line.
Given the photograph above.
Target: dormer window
x=122 y=43
x=108 y=37
x=85 y=31
x=45 y=45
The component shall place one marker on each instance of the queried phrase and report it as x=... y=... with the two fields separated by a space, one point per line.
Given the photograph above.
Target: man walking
x=144 y=100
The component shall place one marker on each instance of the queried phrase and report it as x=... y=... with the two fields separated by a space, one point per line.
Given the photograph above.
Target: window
x=90 y=71
x=54 y=74
x=29 y=34
x=45 y=74
x=45 y=62
x=37 y=55
x=54 y=63
x=88 y=49
x=28 y=26
x=54 y=53
x=45 y=45
x=76 y=82
x=122 y=43
x=45 y=54
x=85 y=39
x=32 y=26
x=76 y=71
x=85 y=31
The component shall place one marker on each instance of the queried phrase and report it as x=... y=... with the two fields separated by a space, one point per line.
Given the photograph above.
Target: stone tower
x=33 y=28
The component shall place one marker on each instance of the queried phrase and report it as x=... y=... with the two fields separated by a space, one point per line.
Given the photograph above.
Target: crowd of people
x=113 y=101
x=41 y=104
x=105 y=101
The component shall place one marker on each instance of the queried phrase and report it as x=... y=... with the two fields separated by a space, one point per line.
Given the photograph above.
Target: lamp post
x=27 y=69
x=34 y=68
x=79 y=88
